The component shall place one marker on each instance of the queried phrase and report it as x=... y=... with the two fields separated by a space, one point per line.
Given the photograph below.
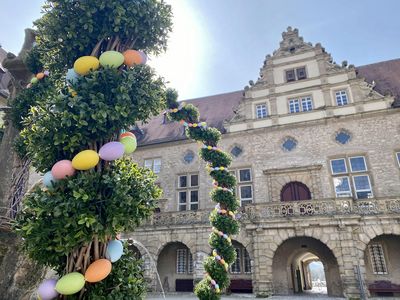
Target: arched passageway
x=241 y=271
x=382 y=265
x=290 y=267
x=175 y=267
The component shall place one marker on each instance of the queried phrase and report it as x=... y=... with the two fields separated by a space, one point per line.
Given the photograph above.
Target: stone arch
x=371 y=232
x=286 y=275
x=181 y=238
x=175 y=267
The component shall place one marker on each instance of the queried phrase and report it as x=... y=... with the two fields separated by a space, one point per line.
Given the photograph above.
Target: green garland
x=222 y=218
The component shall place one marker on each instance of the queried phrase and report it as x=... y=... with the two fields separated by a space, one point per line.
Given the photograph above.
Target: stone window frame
x=151 y=164
x=188 y=189
x=345 y=131
x=184 y=258
x=300 y=99
x=256 y=105
x=337 y=90
x=380 y=257
x=349 y=174
x=295 y=71
x=240 y=184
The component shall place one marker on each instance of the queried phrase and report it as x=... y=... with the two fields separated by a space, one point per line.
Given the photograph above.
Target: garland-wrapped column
x=222 y=218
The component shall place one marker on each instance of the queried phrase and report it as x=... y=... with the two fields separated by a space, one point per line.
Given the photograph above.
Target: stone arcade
x=316 y=151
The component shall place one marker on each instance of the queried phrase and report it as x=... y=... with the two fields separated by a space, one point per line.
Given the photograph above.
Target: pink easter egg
x=62 y=169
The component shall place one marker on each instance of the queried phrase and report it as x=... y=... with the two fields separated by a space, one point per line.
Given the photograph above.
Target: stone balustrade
x=278 y=210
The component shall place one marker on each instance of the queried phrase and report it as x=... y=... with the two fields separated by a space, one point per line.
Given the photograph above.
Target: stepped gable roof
x=386 y=75
x=217 y=108
x=213 y=109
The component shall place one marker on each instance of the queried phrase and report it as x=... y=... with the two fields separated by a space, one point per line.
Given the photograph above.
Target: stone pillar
x=262 y=271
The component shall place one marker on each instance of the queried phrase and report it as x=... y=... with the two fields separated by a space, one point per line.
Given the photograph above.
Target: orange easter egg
x=132 y=57
x=39 y=75
x=130 y=134
x=98 y=270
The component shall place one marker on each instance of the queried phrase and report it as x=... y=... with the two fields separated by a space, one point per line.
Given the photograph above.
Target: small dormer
x=300 y=82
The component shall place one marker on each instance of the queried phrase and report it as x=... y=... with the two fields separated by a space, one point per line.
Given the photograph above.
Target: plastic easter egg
x=132 y=57
x=112 y=151
x=85 y=160
x=34 y=80
x=47 y=289
x=127 y=134
x=144 y=57
x=70 y=283
x=114 y=251
x=71 y=76
x=62 y=169
x=83 y=65
x=49 y=180
x=129 y=144
x=98 y=270
x=112 y=59
x=40 y=76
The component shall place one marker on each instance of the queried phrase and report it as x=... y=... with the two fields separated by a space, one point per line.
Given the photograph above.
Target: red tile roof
x=217 y=108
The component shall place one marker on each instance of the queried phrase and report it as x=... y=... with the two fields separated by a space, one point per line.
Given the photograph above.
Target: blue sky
x=219 y=45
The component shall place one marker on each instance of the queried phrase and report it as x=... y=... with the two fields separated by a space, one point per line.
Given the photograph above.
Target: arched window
x=294 y=191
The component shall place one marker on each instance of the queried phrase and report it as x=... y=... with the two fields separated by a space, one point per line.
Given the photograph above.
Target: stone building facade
x=316 y=153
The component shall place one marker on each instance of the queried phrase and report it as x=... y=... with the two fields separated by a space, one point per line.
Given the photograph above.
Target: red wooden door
x=294 y=191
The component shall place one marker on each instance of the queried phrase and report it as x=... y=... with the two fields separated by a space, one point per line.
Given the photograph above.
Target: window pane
x=247 y=262
x=244 y=175
x=301 y=73
x=148 y=163
x=398 y=157
x=358 y=164
x=338 y=166
x=361 y=183
x=194 y=180
x=261 y=111
x=341 y=98
x=235 y=268
x=182 y=181
x=378 y=259
x=157 y=165
x=190 y=263
x=194 y=196
x=246 y=192
x=294 y=106
x=306 y=104
x=182 y=207
x=290 y=75
x=182 y=197
x=342 y=186
x=181 y=261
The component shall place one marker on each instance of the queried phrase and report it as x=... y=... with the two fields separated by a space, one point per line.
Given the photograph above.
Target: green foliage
x=126 y=280
x=107 y=100
x=55 y=222
x=33 y=61
x=226 y=199
x=70 y=28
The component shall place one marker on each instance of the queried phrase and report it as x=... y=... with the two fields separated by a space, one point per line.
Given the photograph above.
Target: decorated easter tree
x=222 y=218
x=91 y=85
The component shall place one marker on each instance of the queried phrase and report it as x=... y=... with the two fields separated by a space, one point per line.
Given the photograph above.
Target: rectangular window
x=338 y=166
x=306 y=104
x=357 y=164
x=154 y=164
x=341 y=98
x=261 y=111
x=353 y=180
x=235 y=268
x=377 y=259
x=181 y=261
x=362 y=186
x=290 y=75
x=188 y=193
x=301 y=73
x=294 y=106
x=244 y=187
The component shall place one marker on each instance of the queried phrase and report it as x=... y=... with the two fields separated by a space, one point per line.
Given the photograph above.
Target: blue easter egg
x=72 y=76
x=49 y=180
x=115 y=249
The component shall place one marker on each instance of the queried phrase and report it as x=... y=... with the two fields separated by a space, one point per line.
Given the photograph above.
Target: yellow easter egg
x=83 y=65
x=85 y=160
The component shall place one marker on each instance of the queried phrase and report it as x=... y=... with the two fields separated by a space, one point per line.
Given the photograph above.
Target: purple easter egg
x=47 y=290
x=111 y=151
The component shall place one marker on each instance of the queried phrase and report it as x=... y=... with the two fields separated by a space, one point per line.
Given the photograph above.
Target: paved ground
x=190 y=296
